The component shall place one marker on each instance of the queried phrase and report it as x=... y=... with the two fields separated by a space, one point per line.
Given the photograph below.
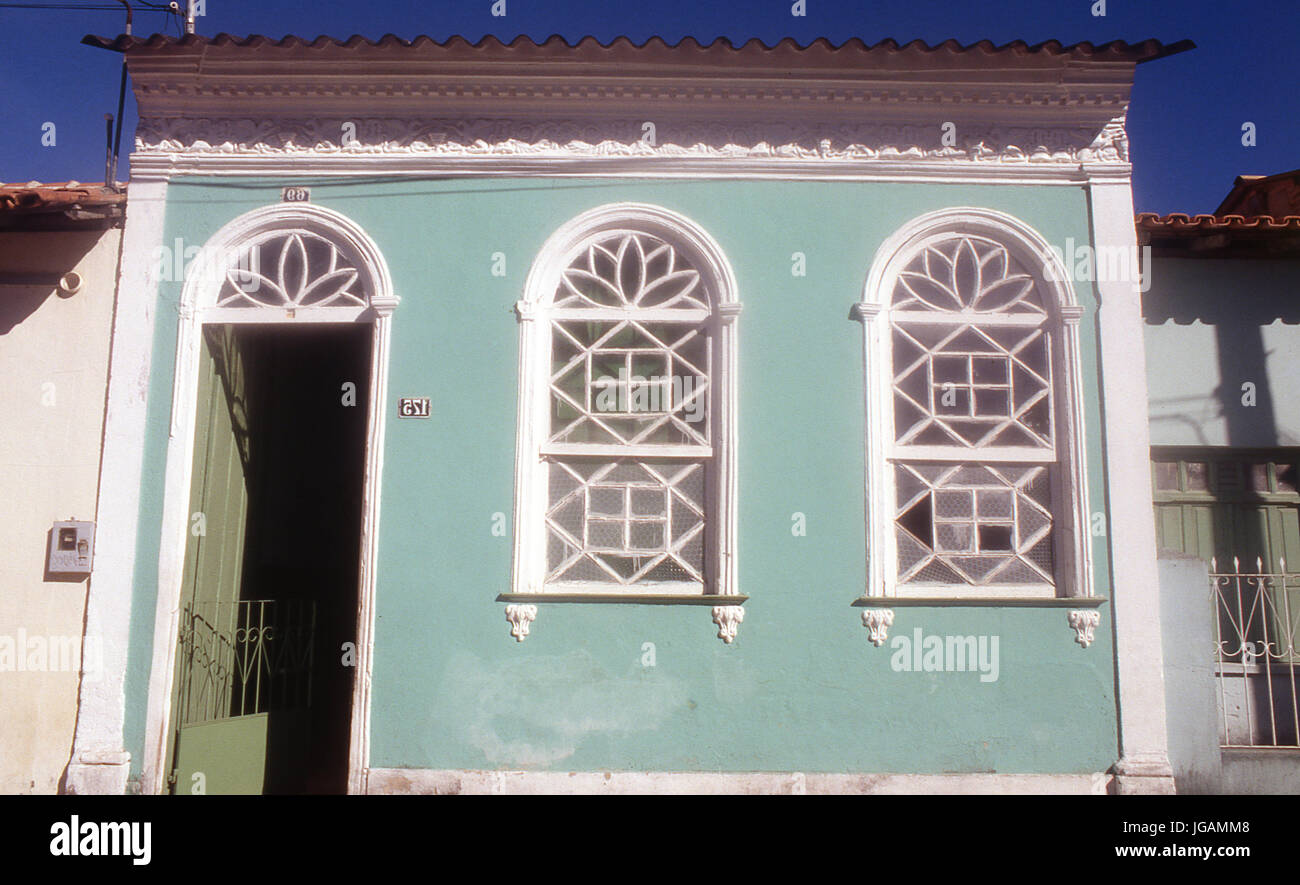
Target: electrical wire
x=89 y=6
x=92 y=7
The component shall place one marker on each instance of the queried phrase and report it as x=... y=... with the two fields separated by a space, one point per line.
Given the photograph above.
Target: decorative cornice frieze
x=568 y=139
x=163 y=90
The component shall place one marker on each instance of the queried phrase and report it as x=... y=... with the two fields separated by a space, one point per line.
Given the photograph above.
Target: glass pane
x=630 y=270
x=1166 y=476
x=967 y=272
x=290 y=269
x=1286 y=477
x=1259 y=478
x=1198 y=476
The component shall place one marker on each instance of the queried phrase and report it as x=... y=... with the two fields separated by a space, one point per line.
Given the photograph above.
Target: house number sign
x=295 y=195
x=413 y=407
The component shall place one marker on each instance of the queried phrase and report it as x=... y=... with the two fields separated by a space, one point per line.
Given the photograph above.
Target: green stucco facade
x=801 y=688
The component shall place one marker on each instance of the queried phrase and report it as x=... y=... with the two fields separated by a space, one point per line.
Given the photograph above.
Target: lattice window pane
x=629 y=521
x=973 y=524
x=291 y=269
x=962 y=385
x=629 y=382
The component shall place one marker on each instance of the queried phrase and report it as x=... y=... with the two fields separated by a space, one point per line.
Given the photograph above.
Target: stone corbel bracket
x=521 y=617
x=1082 y=612
x=521 y=608
x=877 y=621
x=1084 y=624
x=728 y=618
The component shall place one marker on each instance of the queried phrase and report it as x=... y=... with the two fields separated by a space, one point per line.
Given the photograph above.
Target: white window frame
x=1070 y=510
x=703 y=253
x=197 y=307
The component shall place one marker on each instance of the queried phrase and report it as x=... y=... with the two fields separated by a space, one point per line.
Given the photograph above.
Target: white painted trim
x=706 y=256
x=1072 y=548
x=196 y=310
x=154 y=166
x=517 y=783
x=1139 y=656
x=101 y=704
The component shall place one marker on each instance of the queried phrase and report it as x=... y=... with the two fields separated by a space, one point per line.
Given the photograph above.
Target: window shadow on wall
x=1245 y=394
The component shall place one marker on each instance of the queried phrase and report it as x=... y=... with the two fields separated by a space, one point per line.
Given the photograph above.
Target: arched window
x=626 y=423
x=975 y=480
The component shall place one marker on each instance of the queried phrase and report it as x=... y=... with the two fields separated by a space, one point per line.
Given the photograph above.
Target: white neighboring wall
x=54 y=352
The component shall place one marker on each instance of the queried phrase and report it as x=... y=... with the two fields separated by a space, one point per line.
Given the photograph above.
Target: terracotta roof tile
x=1178 y=222
x=35 y=196
x=1117 y=50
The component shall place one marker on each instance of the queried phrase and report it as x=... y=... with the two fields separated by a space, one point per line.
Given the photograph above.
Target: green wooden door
x=1225 y=504
x=219 y=741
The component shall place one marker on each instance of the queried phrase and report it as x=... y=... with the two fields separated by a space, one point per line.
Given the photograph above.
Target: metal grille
x=246 y=657
x=1256 y=619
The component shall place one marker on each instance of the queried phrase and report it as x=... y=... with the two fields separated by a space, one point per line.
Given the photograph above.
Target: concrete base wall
x=1255 y=772
x=427 y=782
x=1191 y=693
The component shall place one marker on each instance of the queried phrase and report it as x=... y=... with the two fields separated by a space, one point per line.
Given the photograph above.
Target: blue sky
x=1184 y=122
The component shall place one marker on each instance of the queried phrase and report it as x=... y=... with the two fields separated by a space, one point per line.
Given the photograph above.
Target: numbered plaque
x=413 y=407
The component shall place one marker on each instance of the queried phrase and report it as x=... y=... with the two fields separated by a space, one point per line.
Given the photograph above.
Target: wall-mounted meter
x=72 y=547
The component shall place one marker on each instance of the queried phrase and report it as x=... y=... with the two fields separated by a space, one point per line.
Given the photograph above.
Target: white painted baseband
x=423 y=781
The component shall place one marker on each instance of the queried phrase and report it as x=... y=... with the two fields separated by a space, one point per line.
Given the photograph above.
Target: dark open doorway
x=264 y=691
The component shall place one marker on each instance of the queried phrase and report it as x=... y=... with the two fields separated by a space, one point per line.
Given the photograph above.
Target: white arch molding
x=198 y=306
x=704 y=254
x=1072 y=549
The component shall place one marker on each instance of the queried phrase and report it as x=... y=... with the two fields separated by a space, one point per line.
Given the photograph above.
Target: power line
x=91 y=7
x=88 y=6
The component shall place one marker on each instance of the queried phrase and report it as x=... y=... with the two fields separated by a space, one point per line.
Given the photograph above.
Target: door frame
x=197 y=308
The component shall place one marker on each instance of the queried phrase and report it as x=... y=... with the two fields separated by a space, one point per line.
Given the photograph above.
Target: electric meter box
x=72 y=547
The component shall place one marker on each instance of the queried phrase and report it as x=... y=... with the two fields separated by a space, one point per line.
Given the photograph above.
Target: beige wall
x=53 y=376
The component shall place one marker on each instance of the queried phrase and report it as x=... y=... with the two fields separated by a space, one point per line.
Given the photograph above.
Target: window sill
x=981 y=601
x=626 y=598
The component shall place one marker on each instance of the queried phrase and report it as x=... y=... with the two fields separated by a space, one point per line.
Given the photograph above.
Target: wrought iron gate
x=1256 y=655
